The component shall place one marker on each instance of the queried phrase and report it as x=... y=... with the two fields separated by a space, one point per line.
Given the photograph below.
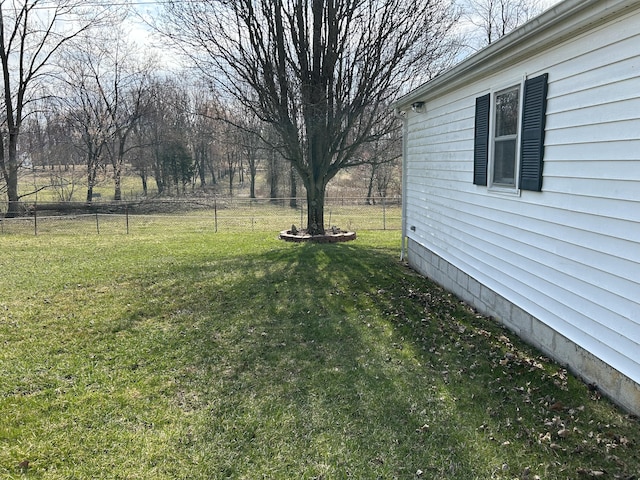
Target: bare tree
x=203 y=133
x=274 y=165
x=496 y=18
x=251 y=145
x=163 y=133
x=91 y=121
x=231 y=149
x=120 y=78
x=32 y=32
x=381 y=157
x=87 y=111
x=125 y=115
x=127 y=97
x=46 y=141
x=319 y=71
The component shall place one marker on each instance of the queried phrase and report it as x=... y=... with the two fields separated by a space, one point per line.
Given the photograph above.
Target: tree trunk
x=214 y=180
x=371 y=200
x=315 y=208
x=92 y=173
x=231 y=173
x=118 y=166
x=143 y=177
x=201 y=162
x=13 y=209
x=273 y=175
x=293 y=194
x=252 y=178
x=158 y=175
x=117 y=180
x=12 y=191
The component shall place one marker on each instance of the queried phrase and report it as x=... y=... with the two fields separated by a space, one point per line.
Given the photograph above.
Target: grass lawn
x=212 y=356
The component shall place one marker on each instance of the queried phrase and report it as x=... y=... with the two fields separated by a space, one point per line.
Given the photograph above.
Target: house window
x=518 y=134
x=505 y=136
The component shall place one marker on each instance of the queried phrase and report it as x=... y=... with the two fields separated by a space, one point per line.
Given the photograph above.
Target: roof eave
x=556 y=24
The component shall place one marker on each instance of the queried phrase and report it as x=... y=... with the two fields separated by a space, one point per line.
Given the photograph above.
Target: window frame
x=491 y=160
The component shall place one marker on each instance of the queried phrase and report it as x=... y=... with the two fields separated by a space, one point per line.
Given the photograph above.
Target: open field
x=173 y=354
x=60 y=184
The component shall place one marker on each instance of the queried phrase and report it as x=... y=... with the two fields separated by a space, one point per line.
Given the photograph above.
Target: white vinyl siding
x=569 y=255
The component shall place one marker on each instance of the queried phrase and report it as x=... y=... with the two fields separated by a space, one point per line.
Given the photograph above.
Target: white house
x=522 y=186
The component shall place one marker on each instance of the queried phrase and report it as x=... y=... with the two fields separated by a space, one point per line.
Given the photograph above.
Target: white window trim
x=498 y=188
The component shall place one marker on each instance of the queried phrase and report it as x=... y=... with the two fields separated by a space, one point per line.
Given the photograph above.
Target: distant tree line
x=84 y=104
x=113 y=110
x=113 y=113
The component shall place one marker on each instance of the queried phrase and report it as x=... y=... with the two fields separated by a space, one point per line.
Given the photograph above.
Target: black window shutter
x=533 y=123
x=481 y=140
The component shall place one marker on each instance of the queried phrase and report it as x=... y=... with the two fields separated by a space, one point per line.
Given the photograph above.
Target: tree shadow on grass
x=294 y=361
x=296 y=369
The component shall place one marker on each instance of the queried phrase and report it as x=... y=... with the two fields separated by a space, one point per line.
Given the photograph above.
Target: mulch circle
x=328 y=237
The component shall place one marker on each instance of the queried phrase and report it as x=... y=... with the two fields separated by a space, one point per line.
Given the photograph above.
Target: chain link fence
x=213 y=214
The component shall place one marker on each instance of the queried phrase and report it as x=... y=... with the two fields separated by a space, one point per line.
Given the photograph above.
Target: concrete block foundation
x=621 y=389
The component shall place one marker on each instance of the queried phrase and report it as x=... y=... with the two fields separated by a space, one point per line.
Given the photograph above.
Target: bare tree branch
x=320 y=72
x=496 y=18
x=32 y=32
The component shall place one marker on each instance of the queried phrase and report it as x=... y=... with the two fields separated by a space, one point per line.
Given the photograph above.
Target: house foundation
x=618 y=387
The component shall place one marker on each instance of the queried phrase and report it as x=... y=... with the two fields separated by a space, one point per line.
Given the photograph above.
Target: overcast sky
x=141 y=33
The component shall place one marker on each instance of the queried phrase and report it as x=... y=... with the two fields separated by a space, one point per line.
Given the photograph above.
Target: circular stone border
x=300 y=236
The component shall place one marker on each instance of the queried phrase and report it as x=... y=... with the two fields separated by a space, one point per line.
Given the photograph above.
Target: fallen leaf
x=591 y=473
x=557 y=406
x=423 y=428
x=564 y=433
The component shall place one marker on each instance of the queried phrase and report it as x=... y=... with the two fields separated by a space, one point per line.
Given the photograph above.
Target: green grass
x=211 y=356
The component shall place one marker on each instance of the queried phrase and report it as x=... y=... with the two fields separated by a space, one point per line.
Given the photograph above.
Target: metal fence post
x=384 y=213
x=97 y=224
